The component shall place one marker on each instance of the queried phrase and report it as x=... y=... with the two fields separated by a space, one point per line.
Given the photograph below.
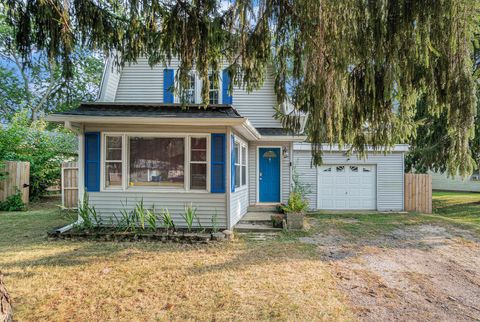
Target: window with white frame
x=198 y=163
x=113 y=161
x=214 y=89
x=178 y=162
x=240 y=162
x=189 y=92
x=156 y=161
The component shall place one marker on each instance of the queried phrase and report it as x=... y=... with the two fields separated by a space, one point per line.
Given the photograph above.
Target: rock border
x=157 y=236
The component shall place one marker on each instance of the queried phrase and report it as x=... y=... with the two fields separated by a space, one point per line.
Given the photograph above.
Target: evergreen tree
x=356 y=68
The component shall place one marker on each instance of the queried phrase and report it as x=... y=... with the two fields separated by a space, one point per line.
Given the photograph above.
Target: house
x=441 y=181
x=136 y=142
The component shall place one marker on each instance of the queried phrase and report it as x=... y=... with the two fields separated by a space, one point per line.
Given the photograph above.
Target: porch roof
x=106 y=109
x=157 y=114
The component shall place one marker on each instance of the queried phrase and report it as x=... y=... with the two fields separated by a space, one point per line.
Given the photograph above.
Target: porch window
x=240 y=164
x=198 y=163
x=156 y=162
x=113 y=161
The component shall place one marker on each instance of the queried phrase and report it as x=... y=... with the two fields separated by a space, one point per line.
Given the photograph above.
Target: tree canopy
x=355 y=68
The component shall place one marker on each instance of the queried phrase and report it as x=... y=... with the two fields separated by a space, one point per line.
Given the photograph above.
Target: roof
x=153 y=110
x=267 y=131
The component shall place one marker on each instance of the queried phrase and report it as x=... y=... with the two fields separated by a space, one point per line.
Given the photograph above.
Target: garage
x=347 y=187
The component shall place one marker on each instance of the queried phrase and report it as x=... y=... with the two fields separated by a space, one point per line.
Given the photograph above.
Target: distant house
x=138 y=142
x=441 y=181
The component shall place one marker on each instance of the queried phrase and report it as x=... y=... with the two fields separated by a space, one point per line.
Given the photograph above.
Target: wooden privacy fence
x=69 y=185
x=17 y=178
x=418 y=192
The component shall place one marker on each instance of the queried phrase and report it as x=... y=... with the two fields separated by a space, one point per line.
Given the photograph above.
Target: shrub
x=23 y=140
x=189 y=215
x=167 y=220
x=296 y=203
x=89 y=215
x=13 y=203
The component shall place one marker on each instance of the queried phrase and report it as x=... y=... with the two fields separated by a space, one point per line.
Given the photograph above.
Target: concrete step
x=248 y=228
x=259 y=236
x=262 y=208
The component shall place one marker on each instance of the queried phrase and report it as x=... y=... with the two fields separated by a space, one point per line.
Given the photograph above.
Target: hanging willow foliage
x=355 y=68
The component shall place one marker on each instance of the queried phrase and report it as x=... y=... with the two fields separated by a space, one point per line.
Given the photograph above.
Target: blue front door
x=269 y=174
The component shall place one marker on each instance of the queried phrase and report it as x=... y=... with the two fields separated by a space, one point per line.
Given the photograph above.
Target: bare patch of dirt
x=417 y=273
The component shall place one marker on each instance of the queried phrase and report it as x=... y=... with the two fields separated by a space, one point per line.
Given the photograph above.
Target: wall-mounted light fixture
x=285 y=152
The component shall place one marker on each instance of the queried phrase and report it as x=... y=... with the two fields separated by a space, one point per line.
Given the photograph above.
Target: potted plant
x=277 y=220
x=295 y=210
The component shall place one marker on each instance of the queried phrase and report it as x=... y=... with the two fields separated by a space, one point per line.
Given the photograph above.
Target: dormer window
x=189 y=92
x=214 y=90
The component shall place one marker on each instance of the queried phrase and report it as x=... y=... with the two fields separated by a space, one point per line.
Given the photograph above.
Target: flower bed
x=160 y=235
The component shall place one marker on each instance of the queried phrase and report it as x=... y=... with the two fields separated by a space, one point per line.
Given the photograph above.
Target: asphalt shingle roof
x=266 y=131
x=154 y=110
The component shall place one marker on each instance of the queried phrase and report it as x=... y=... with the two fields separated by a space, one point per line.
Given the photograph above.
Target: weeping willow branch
x=356 y=68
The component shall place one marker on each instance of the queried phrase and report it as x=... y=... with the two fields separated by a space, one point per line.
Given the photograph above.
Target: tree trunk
x=6 y=313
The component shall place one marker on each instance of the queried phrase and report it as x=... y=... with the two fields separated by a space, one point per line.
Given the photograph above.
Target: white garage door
x=344 y=187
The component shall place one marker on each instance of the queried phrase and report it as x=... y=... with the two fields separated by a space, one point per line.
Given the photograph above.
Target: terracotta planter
x=295 y=220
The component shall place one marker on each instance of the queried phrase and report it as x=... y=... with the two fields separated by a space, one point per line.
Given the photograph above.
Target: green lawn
x=449 y=208
x=280 y=279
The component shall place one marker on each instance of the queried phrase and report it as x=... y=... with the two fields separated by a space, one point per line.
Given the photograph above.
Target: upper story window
x=189 y=92
x=214 y=90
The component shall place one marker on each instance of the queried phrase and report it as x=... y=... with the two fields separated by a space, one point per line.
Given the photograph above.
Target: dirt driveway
x=424 y=272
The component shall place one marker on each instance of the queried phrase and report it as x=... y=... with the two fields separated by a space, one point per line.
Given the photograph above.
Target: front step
x=248 y=228
x=262 y=208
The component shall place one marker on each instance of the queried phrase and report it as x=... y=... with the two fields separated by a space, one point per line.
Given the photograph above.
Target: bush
x=13 y=203
x=24 y=140
x=296 y=203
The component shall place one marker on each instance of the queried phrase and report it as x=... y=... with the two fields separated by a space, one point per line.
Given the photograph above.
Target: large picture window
x=113 y=161
x=171 y=162
x=156 y=161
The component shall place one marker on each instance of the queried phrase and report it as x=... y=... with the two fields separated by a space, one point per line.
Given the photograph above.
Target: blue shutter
x=218 y=164
x=168 y=85
x=232 y=181
x=226 y=96
x=92 y=161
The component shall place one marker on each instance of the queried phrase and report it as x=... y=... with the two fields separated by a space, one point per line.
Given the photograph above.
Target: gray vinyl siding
x=111 y=77
x=139 y=82
x=307 y=175
x=238 y=204
x=443 y=182
x=390 y=175
x=109 y=203
x=258 y=106
x=252 y=170
x=239 y=198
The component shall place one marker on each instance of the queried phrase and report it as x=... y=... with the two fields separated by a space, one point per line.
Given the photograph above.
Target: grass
x=84 y=281
x=461 y=209
x=280 y=279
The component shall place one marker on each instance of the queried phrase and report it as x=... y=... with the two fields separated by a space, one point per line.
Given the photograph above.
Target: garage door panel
x=346 y=187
